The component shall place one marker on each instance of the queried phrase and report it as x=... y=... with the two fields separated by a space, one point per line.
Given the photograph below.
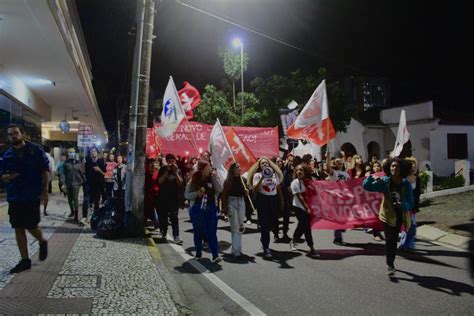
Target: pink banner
x=192 y=138
x=342 y=204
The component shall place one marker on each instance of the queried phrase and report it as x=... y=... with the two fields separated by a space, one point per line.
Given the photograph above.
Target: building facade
x=45 y=71
x=433 y=140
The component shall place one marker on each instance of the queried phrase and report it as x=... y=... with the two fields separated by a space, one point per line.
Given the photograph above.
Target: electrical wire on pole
x=135 y=181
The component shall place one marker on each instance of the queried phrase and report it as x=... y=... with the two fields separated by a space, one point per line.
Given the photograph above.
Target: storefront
x=13 y=111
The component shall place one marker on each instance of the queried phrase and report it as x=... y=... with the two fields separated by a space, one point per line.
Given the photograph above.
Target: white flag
x=172 y=113
x=314 y=123
x=221 y=156
x=402 y=135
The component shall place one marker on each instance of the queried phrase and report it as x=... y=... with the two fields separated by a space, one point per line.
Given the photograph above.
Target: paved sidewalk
x=447 y=219
x=83 y=274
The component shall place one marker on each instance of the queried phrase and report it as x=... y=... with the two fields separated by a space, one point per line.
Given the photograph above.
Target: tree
x=232 y=66
x=214 y=105
x=277 y=91
x=252 y=113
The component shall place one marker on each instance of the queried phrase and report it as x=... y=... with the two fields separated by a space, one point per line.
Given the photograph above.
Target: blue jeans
x=407 y=239
x=204 y=222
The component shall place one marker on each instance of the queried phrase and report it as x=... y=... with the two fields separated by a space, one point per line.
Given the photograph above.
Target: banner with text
x=192 y=138
x=342 y=204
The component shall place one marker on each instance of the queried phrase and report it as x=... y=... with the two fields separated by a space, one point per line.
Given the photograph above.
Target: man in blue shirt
x=24 y=170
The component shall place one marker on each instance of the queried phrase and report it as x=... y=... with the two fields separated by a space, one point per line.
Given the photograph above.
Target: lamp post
x=238 y=43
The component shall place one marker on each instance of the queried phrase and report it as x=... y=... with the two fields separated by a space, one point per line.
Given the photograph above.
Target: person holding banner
x=264 y=177
x=336 y=173
x=233 y=201
x=201 y=191
x=396 y=204
x=302 y=210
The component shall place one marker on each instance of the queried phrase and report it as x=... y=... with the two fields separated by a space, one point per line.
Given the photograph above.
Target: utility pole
x=135 y=182
x=118 y=132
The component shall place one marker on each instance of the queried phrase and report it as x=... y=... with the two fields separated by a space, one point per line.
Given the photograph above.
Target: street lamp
x=238 y=43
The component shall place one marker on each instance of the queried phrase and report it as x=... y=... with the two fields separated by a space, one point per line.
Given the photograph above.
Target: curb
x=434 y=194
x=437 y=235
x=175 y=291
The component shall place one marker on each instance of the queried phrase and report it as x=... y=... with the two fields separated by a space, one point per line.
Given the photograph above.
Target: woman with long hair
x=396 y=203
x=233 y=205
x=407 y=240
x=301 y=209
x=264 y=177
x=201 y=191
x=357 y=169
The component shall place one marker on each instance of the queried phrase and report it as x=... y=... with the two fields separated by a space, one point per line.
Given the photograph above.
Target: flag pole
x=327 y=138
x=193 y=143
x=192 y=137
x=233 y=158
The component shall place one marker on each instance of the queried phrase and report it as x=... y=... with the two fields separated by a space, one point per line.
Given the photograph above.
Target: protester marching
x=238 y=172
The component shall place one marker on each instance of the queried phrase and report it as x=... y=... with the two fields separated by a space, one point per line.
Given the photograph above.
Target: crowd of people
x=275 y=188
x=271 y=188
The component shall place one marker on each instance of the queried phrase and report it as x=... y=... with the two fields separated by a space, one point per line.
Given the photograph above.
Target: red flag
x=190 y=99
x=241 y=152
x=151 y=150
x=314 y=123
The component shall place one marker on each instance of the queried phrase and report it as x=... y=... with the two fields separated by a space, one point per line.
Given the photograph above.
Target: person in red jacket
x=151 y=191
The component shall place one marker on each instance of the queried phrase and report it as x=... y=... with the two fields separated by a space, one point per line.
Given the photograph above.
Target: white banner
x=85 y=140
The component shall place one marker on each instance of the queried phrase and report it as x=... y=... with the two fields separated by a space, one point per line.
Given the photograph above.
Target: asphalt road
x=348 y=279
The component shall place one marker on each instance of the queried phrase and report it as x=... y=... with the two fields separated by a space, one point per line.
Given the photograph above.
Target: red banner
x=342 y=204
x=192 y=138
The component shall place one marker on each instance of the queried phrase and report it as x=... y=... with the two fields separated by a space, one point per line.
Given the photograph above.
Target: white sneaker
x=293 y=246
x=216 y=259
x=391 y=271
x=178 y=240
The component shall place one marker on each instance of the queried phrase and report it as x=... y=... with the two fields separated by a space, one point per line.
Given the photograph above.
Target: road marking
x=231 y=293
x=154 y=252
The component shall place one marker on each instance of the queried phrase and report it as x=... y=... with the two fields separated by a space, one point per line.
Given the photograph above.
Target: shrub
x=424 y=178
x=451 y=182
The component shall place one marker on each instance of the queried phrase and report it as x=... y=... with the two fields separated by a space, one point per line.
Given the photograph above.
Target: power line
x=253 y=30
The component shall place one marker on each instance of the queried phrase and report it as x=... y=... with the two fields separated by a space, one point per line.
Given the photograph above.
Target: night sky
x=420 y=46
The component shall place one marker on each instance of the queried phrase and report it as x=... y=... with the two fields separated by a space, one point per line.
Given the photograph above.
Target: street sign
x=84 y=129
x=85 y=140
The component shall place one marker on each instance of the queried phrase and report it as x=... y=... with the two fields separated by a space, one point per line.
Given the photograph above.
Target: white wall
x=354 y=135
x=441 y=165
x=419 y=138
x=420 y=111
x=374 y=134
